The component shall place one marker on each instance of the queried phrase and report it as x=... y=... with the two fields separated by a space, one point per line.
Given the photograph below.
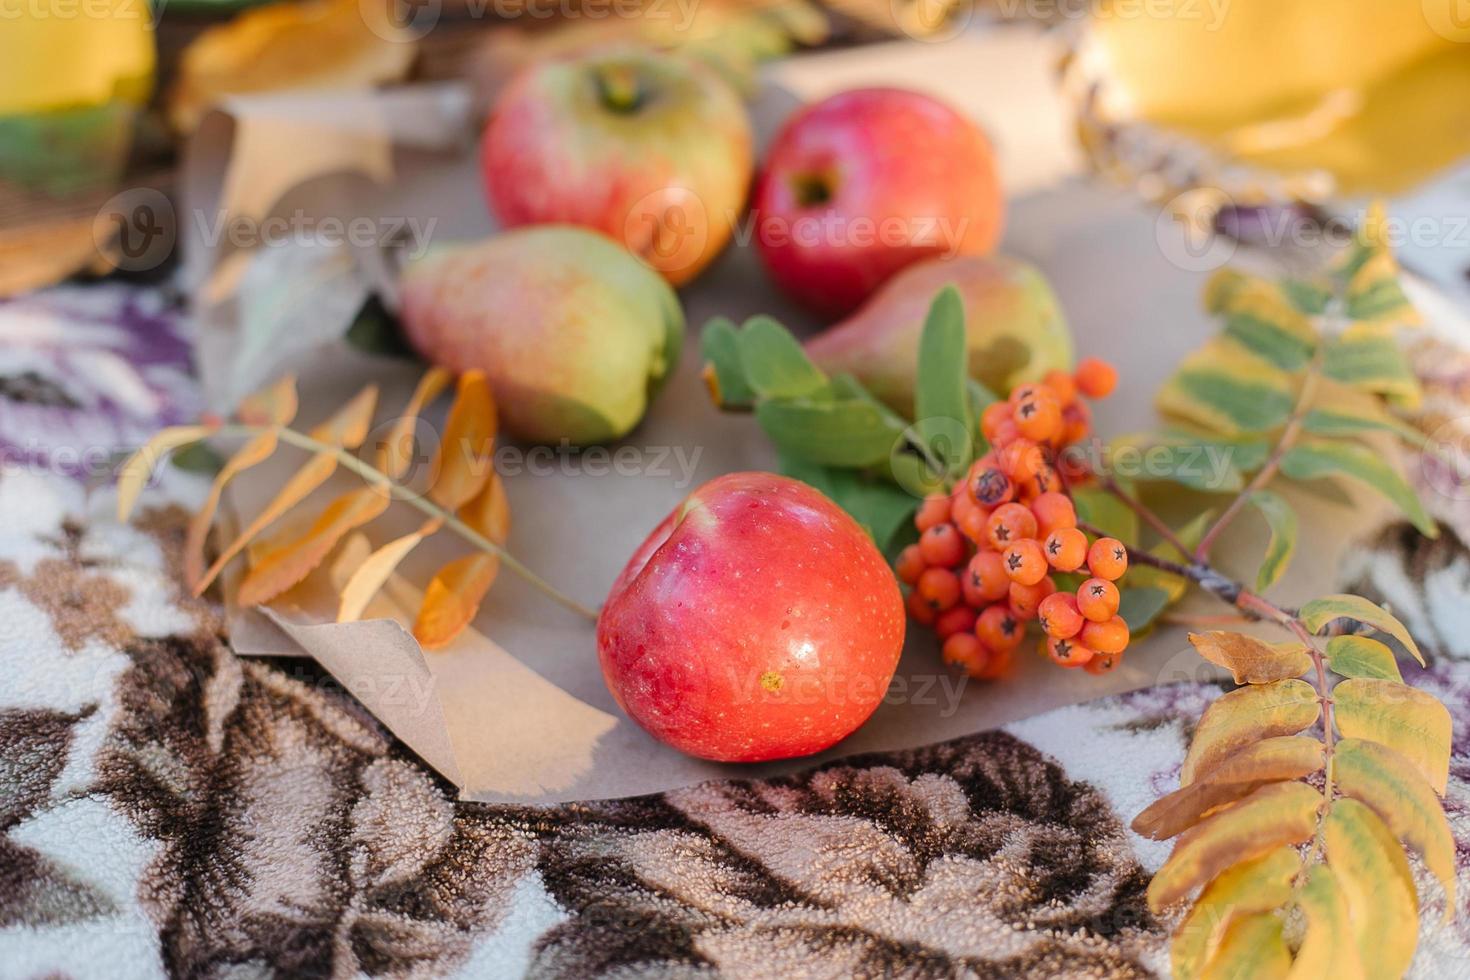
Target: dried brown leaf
x=1249 y=660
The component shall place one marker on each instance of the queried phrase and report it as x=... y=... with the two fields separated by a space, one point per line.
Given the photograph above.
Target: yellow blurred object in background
x=73 y=74
x=1371 y=91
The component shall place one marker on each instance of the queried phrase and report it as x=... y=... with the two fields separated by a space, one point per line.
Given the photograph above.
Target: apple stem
x=619 y=88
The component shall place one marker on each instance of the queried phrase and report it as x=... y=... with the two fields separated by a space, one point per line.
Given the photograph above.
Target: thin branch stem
x=413 y=498
x=1145 y=514
x=1267 y=472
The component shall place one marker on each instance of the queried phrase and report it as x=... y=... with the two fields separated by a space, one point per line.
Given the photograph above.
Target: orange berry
x=1053 y=510
x=1059 y=615
x=940 y=588
x=919 y=609
x=972 y=523
x=1046 y=480
x=991 y=487
x=1076 y=423
x=1108 y=637
x=933 y=510
x=1067 y=652
x=1063 y=388
x=995 y=414
x=1095 y=378
x=957 y=619
x=1008 y=524
x=964 y=650
x=1020 y=459
x=999 y=665
x=986 y=579
x=1065 y=549
x=1107 y=558
x=1025 y=600
x=910 y=565
x=942 y=545
x=1098 y=599
x=1039 y=418
x=1006 y=432
x=998 y=629
x=1103 y=663
x=1024 y=393
x=1025 y=562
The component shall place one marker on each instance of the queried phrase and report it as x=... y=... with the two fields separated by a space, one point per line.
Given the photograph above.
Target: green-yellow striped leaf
x=1373 y=362
x=1375 y=879
x=1258 y=885
x=1248 y=715
x=1227 y=389
x=1319 y=612
x=1281 y=519
x=1360 y=656
x=1409 y=721
x=1313 y=459
x=1392 y=788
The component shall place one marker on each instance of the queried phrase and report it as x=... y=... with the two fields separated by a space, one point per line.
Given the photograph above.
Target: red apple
x=862 y=184
x=757 y=622
x=652 y=149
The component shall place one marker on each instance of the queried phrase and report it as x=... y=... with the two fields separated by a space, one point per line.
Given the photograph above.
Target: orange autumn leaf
x=463 y=465
x=283 y=567
x=257 y=450
x=1249 y=660
x=348 y=427
x=396 y=450
x=275 y=405
x=368 y=577
x=456 y=591
x=133 y=476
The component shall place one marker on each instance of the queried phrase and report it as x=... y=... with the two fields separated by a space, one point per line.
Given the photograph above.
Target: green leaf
x=1308 y=297
x=881 y=508
x=1360 y=656
x=1198 y=462
x=775 y=365
x=197 y=457
x=1319 y=612
x=1409 y=721
x=1313 y=459
x=1140 y=607
x=850 y=432
x=1281 y=519
x=1373 y=362
x=941 y=400
x=1287 y=348
x=1102 y=510
x=720 y=348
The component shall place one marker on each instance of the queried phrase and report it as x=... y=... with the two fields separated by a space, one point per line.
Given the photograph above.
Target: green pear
x=574 y=333
x=1014 y=326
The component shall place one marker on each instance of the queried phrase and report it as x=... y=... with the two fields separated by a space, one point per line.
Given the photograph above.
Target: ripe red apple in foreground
x=758 y=621
x=864 y=183
x=652 y=149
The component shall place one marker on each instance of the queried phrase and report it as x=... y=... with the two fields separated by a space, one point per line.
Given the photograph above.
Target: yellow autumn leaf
x=396 y=450
x=368 y=577
x=1266 y=761
x=1253 y=948
x=1359 y=656
x=134 y=474
x=275 y=405
x=1249 y=660
x=1393 y=789
x=256 y=450
x=283 y=567
x=1327 y=948
x=1375 y=879
x=1412 y=723
x=1257 y=885
x=1247 y=715
x=1315 y=615
x=463 y=465
x=1272 y=816
x=456 y=591
x=347 y=428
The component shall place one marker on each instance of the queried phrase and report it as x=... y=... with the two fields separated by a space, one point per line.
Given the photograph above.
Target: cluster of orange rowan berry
x=982 y=567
